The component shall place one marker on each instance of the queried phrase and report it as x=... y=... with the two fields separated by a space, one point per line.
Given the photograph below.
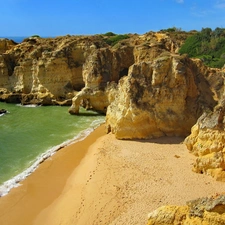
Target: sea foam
x=15 y=181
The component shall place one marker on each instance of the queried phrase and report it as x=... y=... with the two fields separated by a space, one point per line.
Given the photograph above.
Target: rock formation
x=207 y=142
x=108 y=65
x=162 y=97
x=205 y=211
x=45 y=71
x=145 y=88
x=6 y=44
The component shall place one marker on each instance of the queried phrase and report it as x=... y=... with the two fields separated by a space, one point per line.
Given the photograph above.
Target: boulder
x=207 y=211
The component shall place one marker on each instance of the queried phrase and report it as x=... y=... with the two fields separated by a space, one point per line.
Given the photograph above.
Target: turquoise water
x=28 y=132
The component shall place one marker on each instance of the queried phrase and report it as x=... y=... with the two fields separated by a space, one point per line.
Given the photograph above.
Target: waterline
x=29 y=135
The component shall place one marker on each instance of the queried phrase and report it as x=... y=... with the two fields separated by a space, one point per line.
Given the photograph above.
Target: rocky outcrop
x=207 y=211
x=108 y=65
x=54 y=70
x=101 y=71
x=207 y=142
x=6 y=44
x=45 y=71
x=162 y=97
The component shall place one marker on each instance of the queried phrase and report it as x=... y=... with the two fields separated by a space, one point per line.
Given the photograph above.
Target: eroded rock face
x=101 y=71
x=47 y=70
x=157 y=98
x=6 y=44
x=207 y=142
x=207 y=211
x=54 y=70
x=107 y=65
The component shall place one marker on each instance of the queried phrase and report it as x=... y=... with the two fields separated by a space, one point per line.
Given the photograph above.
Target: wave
x=15 y=181
x=28 y=106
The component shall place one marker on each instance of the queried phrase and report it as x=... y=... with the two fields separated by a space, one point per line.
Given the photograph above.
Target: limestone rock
x=38 y=66
x=207 y=142
x=6 y=44
x=101 y=71
x=207 y=211
x=60 y=67
x=106 y=65
x=157 y=98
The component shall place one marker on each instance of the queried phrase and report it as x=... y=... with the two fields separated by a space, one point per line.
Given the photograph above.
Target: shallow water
x=28 y=132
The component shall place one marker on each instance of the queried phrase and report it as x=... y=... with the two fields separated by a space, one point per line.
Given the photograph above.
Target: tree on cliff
x=208 y=45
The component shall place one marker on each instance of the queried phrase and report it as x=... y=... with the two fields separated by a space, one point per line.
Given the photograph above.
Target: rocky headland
x=145 y=88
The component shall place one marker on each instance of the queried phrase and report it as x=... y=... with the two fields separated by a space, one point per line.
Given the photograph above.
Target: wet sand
x=102 y=180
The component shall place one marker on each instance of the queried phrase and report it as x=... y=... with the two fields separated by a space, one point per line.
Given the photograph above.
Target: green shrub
x=109 y=34
x=208 y=45
x=115 y=39
x=35 y=36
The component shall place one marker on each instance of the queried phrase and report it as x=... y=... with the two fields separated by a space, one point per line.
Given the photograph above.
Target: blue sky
x=62 y=17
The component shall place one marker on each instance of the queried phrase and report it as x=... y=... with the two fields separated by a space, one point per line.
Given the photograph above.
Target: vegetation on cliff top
x=112 y=39
x=207 y=45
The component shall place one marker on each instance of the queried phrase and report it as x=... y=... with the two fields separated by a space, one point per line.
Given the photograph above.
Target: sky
x=49 y=18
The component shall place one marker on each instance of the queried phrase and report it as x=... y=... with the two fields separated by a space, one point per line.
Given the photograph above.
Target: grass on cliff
x=207 y=45
x=112 y=39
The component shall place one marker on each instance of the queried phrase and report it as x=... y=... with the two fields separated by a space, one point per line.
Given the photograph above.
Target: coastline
x=108 y=181
x=23 y=203
x=14 y=182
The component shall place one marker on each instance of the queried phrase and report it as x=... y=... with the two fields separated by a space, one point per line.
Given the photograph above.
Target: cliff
x=6 y=44
x=162 y=97
x=45 y=71
x=207 y=141
x=108 y=65
x=142 y=84
x=145 y=88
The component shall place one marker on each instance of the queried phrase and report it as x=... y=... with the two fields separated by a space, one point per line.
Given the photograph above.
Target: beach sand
x=102 y=180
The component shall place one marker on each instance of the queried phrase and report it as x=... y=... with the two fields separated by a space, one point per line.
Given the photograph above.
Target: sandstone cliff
x=162 y=97
x=6 y=44
x=53 y=70
x=107 y=65
x=205 y=211
x=207 y=142
x=45 y=71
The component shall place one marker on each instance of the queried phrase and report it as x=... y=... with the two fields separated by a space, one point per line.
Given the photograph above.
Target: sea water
x=29 y=135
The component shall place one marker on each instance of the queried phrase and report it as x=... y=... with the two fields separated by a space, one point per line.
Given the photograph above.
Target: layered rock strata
x=205 y=211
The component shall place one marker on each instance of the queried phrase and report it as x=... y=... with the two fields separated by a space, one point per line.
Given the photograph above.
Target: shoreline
x=108 y=181
x=23 y=203
x=14 y=181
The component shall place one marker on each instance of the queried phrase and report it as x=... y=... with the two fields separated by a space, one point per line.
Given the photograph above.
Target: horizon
x=20 y=18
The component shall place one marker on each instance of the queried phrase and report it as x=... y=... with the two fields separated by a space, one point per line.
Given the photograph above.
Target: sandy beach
x=102 y=180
